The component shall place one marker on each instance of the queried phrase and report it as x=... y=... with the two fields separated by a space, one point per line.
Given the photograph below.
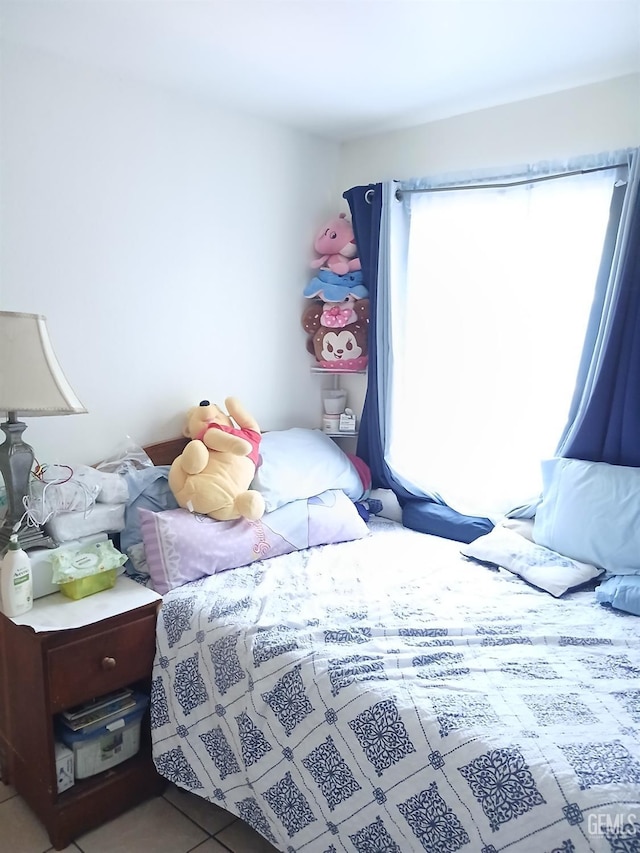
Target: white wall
x=600 y=117
x=167 y=242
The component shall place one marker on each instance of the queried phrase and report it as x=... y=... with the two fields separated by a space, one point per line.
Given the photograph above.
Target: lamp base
x=28 y=537
x=16 y=462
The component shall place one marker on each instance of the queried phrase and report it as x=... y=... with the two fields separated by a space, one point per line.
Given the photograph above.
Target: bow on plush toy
x=336 y=245
x=213 y=473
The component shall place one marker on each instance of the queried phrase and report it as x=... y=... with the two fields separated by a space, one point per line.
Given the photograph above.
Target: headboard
x=164 y=452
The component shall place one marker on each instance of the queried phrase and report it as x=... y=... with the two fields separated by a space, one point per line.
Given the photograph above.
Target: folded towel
x=100 y=518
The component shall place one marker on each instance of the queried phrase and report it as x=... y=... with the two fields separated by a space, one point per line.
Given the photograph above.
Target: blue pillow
x=623 y=593
x=148 y=489
x=590 y=511
x=300 y=463
x=440 y=520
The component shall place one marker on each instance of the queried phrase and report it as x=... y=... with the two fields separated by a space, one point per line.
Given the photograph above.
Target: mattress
x=390 y=695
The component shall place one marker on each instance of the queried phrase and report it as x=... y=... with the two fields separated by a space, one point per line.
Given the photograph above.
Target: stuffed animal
x=329 y=287
x=336 y=246
x=213 y=473
x=339 y=347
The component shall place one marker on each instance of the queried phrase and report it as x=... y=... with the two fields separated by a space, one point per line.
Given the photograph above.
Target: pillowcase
x=533 y=563
x=521 y=526
x=390 y=505
x=623 y=593
x=590 y=511
x=299 y=463
x=181 y=546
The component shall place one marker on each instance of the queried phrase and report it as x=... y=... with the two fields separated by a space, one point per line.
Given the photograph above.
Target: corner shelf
x=336 y=370
x=335 y=373
x=342 y=434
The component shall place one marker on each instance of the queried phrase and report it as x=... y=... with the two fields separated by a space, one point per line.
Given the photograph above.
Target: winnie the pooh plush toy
x=213 y=473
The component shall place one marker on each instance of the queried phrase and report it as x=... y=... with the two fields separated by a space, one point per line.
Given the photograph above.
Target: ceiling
x=342 y=68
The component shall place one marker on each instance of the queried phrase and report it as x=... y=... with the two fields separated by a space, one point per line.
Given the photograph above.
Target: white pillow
x=522 y=526
x=390 y=505
x=591 y=511
x=300 y=463
x=534 y=563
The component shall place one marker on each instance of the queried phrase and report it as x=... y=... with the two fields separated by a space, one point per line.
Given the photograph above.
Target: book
x=99 y=709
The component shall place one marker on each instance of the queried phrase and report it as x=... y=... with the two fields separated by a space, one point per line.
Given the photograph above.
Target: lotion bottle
x=16 y=584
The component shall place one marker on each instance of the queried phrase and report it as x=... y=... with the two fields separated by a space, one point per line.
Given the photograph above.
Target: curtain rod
x=400 y=193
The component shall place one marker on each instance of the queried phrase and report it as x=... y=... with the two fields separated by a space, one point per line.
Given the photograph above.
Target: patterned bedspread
x=389 y=695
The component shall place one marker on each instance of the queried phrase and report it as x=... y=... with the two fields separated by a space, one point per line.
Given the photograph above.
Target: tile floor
x=178 y=822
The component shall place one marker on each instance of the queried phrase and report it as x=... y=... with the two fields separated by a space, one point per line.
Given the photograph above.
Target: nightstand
x=111 y=645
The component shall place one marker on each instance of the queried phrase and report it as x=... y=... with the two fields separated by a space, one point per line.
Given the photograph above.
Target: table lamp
x=32 y=384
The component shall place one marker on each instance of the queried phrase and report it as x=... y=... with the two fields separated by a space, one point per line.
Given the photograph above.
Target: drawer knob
x=108 y=663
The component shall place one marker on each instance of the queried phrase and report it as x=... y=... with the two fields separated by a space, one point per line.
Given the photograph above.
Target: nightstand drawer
x=85 y=668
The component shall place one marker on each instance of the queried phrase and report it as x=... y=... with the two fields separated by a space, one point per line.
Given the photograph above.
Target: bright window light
x=499 y=288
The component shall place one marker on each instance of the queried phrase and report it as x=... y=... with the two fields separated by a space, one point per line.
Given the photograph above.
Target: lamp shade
x=31 y=380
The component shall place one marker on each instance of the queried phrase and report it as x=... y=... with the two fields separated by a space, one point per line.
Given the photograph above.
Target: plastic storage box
x=107 y=745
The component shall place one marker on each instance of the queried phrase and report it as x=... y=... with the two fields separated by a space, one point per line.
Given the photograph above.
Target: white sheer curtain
x=486 y=348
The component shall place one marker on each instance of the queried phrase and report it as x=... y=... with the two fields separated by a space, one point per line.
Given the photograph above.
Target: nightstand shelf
x=44 y=672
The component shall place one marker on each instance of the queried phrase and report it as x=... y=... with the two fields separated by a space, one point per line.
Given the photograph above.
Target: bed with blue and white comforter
x=389 y=695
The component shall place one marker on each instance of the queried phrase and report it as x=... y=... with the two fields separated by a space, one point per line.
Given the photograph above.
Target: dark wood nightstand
x=45 y=672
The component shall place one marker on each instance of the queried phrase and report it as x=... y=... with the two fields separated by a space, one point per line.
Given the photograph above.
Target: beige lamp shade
x=31 y=380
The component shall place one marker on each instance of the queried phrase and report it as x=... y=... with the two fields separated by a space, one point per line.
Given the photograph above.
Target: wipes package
x=42 y=569
x=69 y=565
x=87 y=570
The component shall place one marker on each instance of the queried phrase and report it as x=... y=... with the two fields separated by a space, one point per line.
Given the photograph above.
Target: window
x=486 y=349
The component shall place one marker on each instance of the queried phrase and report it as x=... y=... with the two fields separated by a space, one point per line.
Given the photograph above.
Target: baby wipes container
x=89 y=585
x=87 y=570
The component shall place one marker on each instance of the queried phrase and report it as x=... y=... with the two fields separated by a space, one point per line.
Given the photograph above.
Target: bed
x=389 y=694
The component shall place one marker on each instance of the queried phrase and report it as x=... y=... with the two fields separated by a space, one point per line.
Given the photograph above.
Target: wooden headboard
x=164 y=452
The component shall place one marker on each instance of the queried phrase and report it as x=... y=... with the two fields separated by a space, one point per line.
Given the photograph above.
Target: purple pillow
x=181 y=546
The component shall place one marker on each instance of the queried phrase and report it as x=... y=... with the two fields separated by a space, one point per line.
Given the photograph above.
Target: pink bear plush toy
x=337 y=247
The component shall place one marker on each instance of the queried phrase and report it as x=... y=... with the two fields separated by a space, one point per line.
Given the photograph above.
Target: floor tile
x=207 y=815
x=240 y=838
x=210 y=846
x=6 y=792
x=70 y=849
x=153 y=827
x=22 y=832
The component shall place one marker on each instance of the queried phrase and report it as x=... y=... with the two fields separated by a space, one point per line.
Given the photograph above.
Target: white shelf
x=334 y=373
x=337 y=371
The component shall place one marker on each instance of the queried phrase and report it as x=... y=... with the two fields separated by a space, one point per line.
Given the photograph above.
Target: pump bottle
x=16 y=584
